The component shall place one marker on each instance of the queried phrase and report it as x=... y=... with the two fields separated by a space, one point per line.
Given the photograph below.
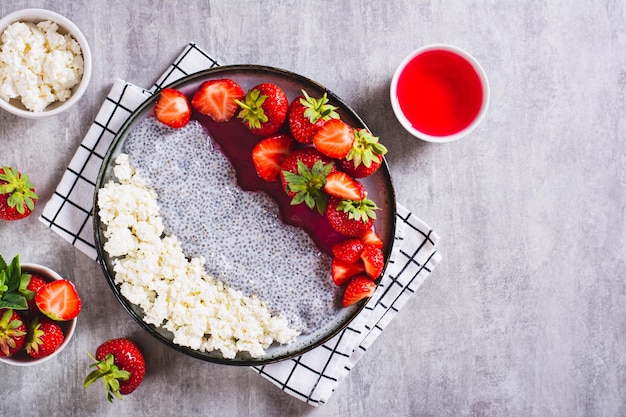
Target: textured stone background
x=526 y=314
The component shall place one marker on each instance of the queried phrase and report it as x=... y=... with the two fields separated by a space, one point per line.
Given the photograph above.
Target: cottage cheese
x=38 y=65
x=174 y=292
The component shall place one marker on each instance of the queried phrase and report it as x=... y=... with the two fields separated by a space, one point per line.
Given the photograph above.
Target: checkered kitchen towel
x=313 y=376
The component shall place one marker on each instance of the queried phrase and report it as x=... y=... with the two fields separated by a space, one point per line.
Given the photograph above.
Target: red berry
x=334 y=139
x=118 y=361
x=45 y=337
x=269 y=154
x=307 y=115
x=342 y=271
x=59 y=300
x=365 y=156
x=371 y=237
x=17 y=195
x=264 y=109
x=218 y=99
x=373 y=260
x=172 y=108
x=358 y=288
x=12 y=332
x=341 y=185
x=351 y=218
x=348 y=250
x=35 y=284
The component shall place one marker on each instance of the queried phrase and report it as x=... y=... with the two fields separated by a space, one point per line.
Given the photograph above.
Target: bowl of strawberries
x=38 y=313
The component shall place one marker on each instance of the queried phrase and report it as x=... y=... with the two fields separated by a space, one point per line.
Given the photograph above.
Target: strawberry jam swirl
x=238 y=233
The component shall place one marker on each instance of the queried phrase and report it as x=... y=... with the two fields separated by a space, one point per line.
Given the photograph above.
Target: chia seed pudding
x=239 y=233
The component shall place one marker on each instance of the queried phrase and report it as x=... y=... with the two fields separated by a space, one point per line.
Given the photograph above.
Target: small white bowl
x=437 y=76
x=68 y=327
x=15 y=106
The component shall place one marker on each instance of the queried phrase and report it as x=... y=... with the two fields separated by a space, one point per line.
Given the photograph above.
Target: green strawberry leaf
x=14 y=301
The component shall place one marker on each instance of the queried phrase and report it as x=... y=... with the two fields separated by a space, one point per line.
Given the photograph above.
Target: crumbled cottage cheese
x=38 y=64
x=174 y=292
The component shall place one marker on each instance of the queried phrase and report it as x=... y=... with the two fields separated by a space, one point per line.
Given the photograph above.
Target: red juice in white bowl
x=439 y=93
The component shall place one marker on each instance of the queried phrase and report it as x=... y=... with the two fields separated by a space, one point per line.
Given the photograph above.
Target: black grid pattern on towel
x=68 y=212
x=334 y=359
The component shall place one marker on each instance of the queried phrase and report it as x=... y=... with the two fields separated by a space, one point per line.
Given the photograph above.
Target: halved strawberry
x=217 y=99
x=264 y=109
x=341 y=185
x=303 y=176
x=373 y=260
x=45 y=337
x=348 y=250
x=334 y=139
x=358 y=288
x=370 y=237
x=365 y=156
x=59 y=300
x=172 y=108
x=269 y=154
x=351 y=217
x=307 y=115
x=342 y=271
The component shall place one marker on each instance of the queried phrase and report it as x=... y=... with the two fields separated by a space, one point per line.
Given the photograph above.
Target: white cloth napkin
x=313 y=376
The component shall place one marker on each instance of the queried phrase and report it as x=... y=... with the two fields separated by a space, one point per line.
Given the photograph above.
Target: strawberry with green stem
x=264 y=109
x=303 y=176
x=12 y=332
x=308 y=114
x=120 y=364
x=365 y=156
x=17 y=195
x=351 y=217
x=44 y=338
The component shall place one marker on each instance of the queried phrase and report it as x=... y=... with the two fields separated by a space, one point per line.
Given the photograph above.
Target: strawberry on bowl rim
x=68 y=327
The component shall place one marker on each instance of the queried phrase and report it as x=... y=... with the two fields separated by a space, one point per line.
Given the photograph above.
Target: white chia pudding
x=239 y=233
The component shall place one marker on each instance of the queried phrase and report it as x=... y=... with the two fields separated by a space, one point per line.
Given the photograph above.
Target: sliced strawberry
x=348 y=250
x=172 y=108
x=334 y=139
x=358 y=288
x=370 y=237
x=341 y=185
x=269 y=154
x=365 y=156
x=216 y=99
x=59 y=300
x=342 y=271
x=373 y=260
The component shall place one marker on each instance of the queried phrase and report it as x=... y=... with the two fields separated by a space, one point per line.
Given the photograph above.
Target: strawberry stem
x=18 y=187
x=251 y=109
x=110 y=374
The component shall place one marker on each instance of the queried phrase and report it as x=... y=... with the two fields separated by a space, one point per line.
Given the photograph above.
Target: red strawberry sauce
x=237 y=142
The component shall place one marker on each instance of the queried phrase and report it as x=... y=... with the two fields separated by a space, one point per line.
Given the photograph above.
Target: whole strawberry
x=12 y=332
x=351 y=217
x=303 y=177
x=44 y=338
x=365 y=156
x=307 y=115
x=264 y=109
x=17 y=195
x=34 y=284
x=120 y=364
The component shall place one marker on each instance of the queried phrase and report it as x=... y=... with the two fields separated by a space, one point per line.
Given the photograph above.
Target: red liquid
x=237 y=142
x=440 y=93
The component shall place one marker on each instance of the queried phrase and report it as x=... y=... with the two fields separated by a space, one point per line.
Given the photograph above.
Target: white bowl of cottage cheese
x=45 y=63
